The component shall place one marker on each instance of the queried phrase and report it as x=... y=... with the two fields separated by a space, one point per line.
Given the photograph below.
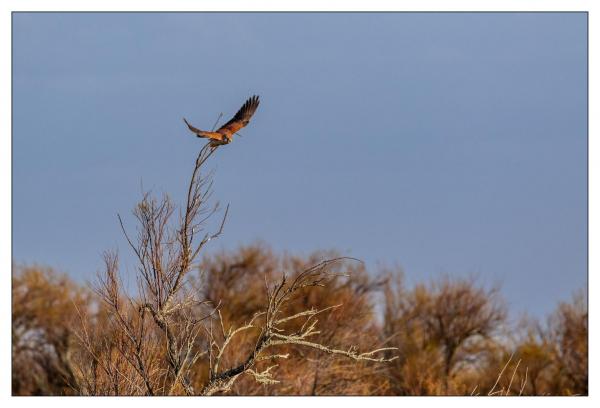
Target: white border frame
x=8 y=6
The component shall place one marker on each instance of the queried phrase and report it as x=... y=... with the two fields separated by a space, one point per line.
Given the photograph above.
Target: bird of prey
x=225 y=133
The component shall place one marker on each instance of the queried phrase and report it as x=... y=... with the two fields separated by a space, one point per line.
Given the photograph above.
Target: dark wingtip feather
x=250 y=105
x=255 y=101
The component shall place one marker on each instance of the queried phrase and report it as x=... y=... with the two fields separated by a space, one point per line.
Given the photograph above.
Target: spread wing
x=242 y=117
x=202 y=133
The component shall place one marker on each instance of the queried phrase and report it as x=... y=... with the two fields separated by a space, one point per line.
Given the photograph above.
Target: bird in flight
x=225 y=133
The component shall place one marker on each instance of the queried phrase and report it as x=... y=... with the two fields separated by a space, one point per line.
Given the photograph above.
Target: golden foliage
x=65 y=341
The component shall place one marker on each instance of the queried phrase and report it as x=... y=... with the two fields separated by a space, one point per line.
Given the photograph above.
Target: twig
x=491 y=392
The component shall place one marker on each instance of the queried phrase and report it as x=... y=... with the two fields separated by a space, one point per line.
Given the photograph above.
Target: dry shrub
x=241 y=323
x=66 y=341
x=43 y=345
x=237 y=280
x=443 y=331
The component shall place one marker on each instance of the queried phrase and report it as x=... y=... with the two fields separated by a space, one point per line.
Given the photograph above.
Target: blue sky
x=443 y=143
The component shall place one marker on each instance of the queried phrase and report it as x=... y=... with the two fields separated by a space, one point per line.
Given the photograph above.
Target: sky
x=445 y=144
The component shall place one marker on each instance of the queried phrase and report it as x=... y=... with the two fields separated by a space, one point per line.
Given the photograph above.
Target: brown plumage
x=225 y=133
